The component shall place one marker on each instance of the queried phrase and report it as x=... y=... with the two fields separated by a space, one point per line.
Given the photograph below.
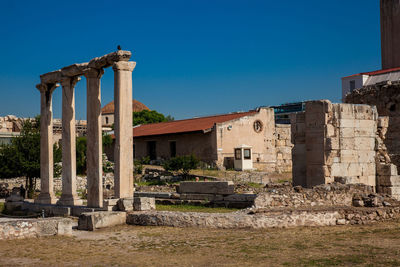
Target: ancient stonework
x=283 y=146
x=334 y=142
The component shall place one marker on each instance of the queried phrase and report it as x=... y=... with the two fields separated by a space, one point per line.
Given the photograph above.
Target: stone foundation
x=26 y=228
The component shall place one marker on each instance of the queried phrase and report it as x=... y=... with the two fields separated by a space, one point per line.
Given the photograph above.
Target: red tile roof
x=189 y=125
x=372 y=73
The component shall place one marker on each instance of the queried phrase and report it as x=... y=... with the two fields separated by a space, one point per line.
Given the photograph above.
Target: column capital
x=69 y=81
x=47 y=87
x=124 y=65
x=93 y=73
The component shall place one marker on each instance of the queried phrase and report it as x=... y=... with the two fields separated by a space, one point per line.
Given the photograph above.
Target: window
x=107 y=120
x=238 y=153
x=151 y=150
x=247 y=154
x=134 y=151
x=172 y=148
x=352 y=85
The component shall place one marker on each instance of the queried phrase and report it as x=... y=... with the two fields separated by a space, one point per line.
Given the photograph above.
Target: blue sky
x=193 y=58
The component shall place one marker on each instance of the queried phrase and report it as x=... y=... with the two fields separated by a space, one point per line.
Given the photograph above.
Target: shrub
x=182 y=164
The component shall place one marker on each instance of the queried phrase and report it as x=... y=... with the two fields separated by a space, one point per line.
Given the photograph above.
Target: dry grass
x=373 y=245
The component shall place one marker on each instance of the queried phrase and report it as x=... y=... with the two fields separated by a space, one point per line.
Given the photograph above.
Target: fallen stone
x=125 y=204
x=144 y=203
x=91 y=221
x=219 y=188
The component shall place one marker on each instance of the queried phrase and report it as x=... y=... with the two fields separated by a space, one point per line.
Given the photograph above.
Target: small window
x=238 y=153
x=106 y=120
x=247 y=154
x=352 y=85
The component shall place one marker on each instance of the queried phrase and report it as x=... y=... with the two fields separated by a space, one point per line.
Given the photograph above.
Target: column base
x=46 y=198
x=69 y=201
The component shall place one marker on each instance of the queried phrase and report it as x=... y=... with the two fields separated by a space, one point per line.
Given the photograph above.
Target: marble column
x=123 y=153
x=94 y=139
x=46 y=195
x=69 y=196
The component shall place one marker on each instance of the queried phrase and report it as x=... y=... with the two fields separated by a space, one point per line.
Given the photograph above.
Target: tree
x=149 y=116
x=22 y=156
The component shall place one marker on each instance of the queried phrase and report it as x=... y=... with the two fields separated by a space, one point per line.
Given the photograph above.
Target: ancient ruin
x=68 y=77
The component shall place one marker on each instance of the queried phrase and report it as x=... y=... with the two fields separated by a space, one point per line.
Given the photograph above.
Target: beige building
x=107 y=112
x=212 y=139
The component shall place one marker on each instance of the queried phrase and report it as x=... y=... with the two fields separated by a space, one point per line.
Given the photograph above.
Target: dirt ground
x=372 y=245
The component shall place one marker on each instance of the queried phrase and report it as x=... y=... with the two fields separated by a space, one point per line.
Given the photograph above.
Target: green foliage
x=182 y=164
x=22 y=156
x=149 y=116
x=138 y=164
x=81 y=155
x=107 y=140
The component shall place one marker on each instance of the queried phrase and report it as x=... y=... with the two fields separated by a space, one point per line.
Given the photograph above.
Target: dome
x=136 y=106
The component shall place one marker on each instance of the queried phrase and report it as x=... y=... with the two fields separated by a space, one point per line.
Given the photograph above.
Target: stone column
x=94 y=139
x=123 y=153
x=69 y=196
x=46 y=144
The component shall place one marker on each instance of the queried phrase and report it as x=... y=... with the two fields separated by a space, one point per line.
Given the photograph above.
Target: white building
x=357 y=81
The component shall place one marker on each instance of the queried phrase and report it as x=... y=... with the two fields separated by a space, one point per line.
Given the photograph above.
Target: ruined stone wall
x=28 y=228
x=283 y=147
x=81 y=182
x=322 y=195
x=334 y=142
x=386 y=98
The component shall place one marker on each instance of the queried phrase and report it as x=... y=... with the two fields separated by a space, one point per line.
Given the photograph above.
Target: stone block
x=366 y=156
x=347 y=132
x=383 y=122
x=386 y=169
x=91 y=221
x=205 y=197
x=388 y=180
x=364 y=143
x=240 y=197
x=346 y=143
x=144 y=203
x=164 y=195
x=346 y=123
x=365 y=132
x=365 y=124
x=219 y=188
x=125 y=204
x=348 y=156
x=78 y=210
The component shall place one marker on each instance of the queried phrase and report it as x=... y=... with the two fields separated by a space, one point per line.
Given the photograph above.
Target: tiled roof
x=136 y=106
x=372 y=73
x=189 y=125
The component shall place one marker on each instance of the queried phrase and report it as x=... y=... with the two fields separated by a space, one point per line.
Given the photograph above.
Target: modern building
x=360 y=80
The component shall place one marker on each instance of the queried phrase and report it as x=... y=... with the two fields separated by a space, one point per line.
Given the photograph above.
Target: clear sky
x=193 y=58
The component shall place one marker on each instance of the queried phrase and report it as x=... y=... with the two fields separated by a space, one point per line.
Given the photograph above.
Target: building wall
x=106 y=122
x=200 y=144
x=283 y=145
x=358 y=80
x=337 y=142
x=390 y=33
x=234 y=133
